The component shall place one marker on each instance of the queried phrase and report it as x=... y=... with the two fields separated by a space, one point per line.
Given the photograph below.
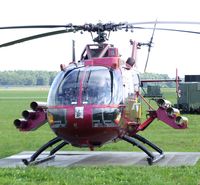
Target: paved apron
x=74 y=158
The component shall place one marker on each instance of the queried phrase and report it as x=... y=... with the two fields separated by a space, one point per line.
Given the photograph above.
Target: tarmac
x=76 y=158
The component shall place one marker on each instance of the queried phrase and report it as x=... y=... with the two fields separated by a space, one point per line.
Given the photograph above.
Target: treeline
x=155 y=76
x=26 y=78
x=43 y=78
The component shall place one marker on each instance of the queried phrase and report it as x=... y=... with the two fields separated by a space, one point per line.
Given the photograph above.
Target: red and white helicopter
x=97 y=99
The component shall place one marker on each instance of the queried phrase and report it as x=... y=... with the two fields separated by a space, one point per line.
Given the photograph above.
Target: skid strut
x=134 y=141
x=33 y=161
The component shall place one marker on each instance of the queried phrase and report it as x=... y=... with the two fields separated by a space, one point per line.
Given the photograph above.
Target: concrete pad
x=75 y=158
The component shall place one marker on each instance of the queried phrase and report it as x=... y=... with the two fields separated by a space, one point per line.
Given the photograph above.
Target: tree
x=23 y=78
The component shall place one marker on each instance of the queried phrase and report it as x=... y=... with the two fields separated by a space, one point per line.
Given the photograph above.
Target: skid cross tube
x=152 y=158
x=33 y=158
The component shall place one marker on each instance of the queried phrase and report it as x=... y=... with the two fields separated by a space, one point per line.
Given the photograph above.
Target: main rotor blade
x=35 y=37
x=166 y=22
x=36 y=26
x=168 y=29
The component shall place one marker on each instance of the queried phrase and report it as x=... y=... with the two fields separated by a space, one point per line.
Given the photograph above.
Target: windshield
x=97 y=86
x=85 y=85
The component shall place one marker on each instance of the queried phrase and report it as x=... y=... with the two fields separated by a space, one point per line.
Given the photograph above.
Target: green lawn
x=14 y=101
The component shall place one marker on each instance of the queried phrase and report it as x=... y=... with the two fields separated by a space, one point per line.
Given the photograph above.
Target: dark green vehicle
x=189 y=101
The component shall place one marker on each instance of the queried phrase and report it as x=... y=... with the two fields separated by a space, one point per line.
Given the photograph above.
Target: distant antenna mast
x=73 y=51
x=177 y=84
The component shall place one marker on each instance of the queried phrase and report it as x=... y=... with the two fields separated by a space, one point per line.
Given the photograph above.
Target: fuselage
x=86 y=102
x=84 y=105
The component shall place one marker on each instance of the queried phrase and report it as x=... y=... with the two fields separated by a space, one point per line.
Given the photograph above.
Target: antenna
x=150 y=45
x=73 y=51
x=177 y=84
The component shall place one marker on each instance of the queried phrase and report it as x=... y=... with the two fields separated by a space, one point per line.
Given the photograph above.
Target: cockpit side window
x=117 y=87
x=69 y=88
x=53 y=90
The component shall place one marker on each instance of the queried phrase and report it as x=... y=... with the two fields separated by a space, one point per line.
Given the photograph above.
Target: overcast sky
x=170 y=51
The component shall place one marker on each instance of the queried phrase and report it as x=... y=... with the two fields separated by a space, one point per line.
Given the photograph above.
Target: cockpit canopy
x=86 y=85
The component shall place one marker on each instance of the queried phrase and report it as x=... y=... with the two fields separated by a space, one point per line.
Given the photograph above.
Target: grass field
x=14 y=101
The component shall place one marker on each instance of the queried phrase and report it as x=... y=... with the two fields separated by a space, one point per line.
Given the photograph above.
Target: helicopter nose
x=69 y=117
x=85 y=126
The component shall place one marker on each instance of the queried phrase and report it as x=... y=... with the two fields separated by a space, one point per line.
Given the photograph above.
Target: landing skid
x=134 y=141
x=33 y=159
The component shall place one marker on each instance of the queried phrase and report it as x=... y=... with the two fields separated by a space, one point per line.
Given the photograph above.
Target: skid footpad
x=156 y=159
x=38 y=161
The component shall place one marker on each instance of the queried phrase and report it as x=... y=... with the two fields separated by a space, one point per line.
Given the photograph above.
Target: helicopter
x=97 y=99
